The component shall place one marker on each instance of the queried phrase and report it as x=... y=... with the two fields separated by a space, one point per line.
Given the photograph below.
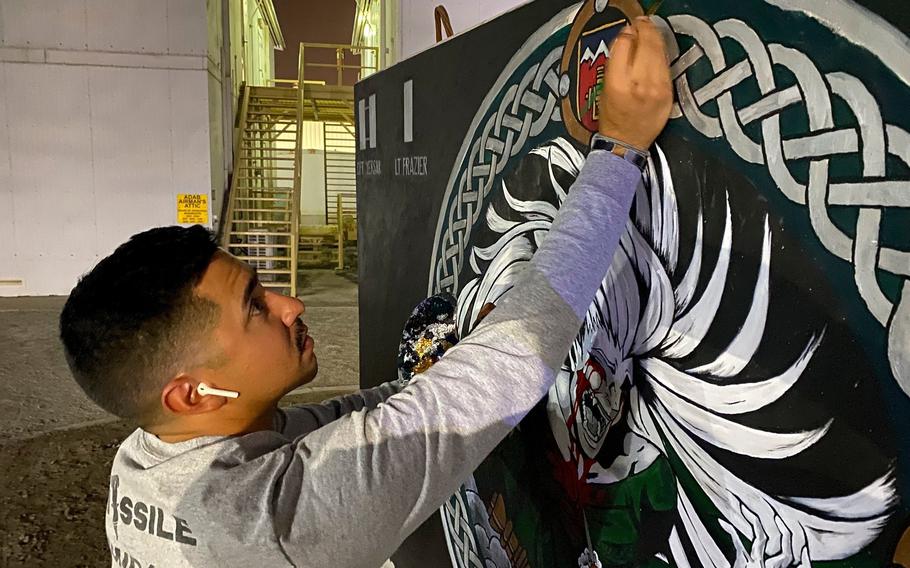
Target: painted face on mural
x=599 y=400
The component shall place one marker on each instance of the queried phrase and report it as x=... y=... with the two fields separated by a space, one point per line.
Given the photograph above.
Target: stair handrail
x=340 y=229
x=291 y=83
x=224 y=229
x=339 y=66
x=298 y=172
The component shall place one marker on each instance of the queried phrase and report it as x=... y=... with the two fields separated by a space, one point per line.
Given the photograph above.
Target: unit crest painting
x=737 y=395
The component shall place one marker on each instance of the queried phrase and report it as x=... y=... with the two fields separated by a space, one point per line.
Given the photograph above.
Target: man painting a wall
x=181 y=338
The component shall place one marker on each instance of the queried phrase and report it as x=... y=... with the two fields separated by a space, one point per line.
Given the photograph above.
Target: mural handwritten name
x=411 y=166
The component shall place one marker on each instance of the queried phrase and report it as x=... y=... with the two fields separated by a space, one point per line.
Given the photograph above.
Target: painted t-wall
x=104 y=119
x=738 y=392
x=417 y=30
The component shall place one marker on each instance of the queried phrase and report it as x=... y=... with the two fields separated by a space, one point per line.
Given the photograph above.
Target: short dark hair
x=131 y=322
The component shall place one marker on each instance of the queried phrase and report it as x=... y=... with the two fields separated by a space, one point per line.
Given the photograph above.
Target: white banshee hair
x=652 y=323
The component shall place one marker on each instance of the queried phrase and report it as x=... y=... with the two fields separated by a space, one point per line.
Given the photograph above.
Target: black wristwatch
x=624 y=151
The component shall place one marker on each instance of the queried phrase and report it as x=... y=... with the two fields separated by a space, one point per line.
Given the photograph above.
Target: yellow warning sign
x=193 y=208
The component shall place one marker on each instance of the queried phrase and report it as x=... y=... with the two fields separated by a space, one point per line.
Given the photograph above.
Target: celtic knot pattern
x=527 y=108
x=460 y=532
x=869 y=137
x=529 y=105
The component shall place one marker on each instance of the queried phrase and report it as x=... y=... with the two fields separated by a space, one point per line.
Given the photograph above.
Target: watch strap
x=621 y=149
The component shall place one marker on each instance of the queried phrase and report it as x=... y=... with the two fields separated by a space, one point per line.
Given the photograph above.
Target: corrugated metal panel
x=312 y=136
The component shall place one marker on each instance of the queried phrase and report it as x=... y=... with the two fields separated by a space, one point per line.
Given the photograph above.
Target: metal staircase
x=262 y=217
x=263 y=210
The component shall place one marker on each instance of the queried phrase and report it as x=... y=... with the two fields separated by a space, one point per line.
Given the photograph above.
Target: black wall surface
x=397 y=214
x=401 y=187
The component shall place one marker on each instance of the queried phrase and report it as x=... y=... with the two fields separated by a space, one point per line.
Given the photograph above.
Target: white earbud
x=205 y=390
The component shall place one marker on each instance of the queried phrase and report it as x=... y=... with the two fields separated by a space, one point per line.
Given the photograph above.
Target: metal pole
x=339 y=219
x=294 y=245
x=339 y=61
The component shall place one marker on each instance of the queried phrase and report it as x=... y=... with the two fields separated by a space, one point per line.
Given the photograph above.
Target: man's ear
x=180 y=396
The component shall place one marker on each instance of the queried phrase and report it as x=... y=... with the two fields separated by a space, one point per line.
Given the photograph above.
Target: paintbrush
x=652 y=9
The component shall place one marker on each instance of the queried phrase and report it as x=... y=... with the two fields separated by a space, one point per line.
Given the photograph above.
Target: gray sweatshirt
x=343 y=483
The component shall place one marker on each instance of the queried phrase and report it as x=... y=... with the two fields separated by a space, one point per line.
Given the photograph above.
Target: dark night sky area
x=322 y=21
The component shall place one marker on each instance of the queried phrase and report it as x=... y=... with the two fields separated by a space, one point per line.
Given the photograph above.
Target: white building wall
x=104 y=119
x=417 y=30
x=221 y=107
x=312 y=187
x=312 y=178
x=312 y=175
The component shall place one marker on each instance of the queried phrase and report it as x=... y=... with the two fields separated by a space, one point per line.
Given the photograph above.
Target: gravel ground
x=37 y=393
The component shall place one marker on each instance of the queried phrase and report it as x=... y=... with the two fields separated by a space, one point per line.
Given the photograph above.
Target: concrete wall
x=417 y=29
x=104 y=119
x=221 y=107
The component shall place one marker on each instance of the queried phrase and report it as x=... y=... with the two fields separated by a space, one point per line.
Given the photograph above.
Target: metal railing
x=298 y=174
x=292 y=83
x=343 y=220
x=340 y=65
x=224 y=228
x=342 y=52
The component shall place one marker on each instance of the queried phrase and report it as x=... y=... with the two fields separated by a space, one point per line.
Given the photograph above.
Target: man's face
x=265 y=349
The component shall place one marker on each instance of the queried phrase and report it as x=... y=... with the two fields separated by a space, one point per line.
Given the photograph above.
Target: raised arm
x=301 y=419
x=370 y=478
